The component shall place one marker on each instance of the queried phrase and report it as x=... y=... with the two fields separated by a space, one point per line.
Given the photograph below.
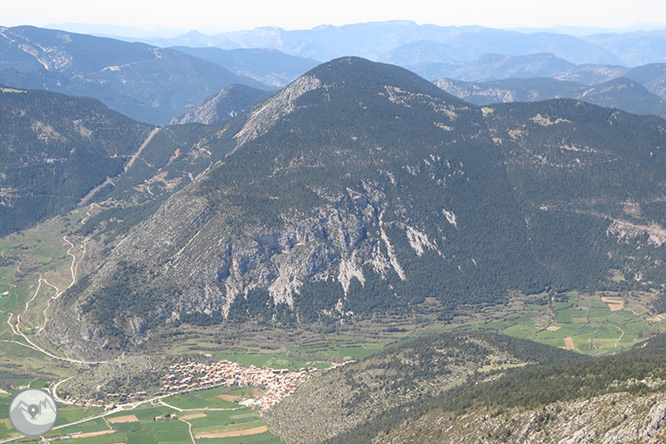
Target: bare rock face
x=656 y=421
x=264 y=117
x=608 y=419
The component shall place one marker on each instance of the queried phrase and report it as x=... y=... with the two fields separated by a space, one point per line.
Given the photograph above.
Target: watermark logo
x=33 y=412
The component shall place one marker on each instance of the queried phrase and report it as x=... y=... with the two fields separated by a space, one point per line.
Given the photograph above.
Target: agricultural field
x=157 y=422
x=294 y=357
x=593 y=324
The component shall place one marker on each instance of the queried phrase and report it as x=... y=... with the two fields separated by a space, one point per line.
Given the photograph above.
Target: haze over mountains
x=55 y=149
x=268 y=66
x=621 y=93
x=465 y=43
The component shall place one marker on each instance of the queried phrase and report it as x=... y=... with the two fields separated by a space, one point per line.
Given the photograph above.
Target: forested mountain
x=58 y=152
x=144 y=82
x=510 y=90
x=361 y=188
x=652 y=76
x=54 y=149
x=621 y=93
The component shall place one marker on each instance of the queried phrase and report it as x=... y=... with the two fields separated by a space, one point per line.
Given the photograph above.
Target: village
x=276 y=383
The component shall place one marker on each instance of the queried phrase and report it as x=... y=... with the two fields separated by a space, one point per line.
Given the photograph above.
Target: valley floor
x=38 y=265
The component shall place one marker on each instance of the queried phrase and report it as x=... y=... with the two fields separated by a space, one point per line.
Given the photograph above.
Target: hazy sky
x=208 y=15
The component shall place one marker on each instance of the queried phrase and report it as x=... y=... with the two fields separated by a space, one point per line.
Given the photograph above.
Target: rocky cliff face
x=613 y=418
x=362 y=187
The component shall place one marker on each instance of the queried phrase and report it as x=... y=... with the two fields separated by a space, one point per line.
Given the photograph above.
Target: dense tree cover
x=659 y=305
x=503 y=240
x=257 y=305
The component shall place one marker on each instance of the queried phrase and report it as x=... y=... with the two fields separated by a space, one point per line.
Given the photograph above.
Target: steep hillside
x=147 y=83
x=361 y=188
x=344 y=398
x=625 y=94
x=224 y=105
x=54 y=150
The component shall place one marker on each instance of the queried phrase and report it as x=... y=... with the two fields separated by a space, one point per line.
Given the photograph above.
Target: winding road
x=73 y=268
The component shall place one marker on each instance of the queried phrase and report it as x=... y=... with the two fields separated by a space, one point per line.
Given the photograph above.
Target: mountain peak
x=357 y=72
x=350 y=82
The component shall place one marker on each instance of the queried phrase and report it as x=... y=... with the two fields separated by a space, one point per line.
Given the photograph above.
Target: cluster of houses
x=195 y=376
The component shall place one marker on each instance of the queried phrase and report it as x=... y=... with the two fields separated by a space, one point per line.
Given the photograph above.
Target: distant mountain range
x=144 y=82
x=488 y=66
x=388 y=41
x=155 y=85
x=358 y=201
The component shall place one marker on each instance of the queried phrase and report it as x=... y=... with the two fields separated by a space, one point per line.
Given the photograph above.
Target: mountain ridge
x=145 y=82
